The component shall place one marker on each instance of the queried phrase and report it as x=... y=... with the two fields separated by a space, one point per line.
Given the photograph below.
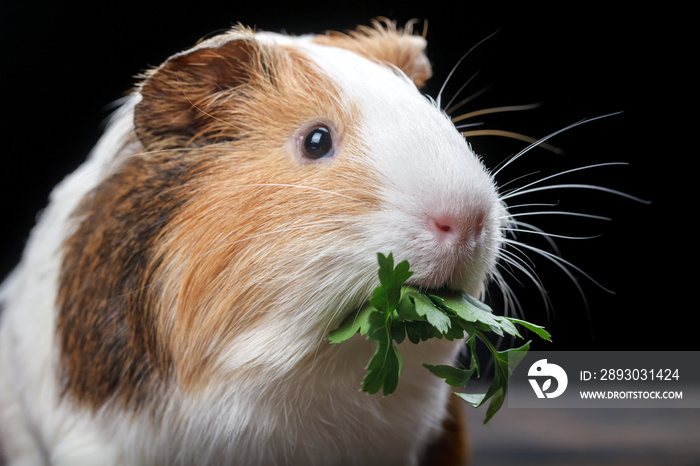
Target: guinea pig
x=173 y=302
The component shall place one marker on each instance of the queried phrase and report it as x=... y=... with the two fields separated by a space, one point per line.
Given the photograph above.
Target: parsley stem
x=486 y=341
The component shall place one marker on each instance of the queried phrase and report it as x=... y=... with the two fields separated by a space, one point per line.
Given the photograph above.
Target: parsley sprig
x=396 y=312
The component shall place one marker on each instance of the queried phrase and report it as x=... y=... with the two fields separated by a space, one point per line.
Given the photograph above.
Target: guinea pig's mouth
x=445 y=289
x=441 y=292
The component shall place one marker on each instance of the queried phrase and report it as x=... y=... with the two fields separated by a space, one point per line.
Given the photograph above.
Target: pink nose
x=456 y=229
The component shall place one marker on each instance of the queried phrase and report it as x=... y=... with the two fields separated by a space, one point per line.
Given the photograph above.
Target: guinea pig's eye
x=317 y=143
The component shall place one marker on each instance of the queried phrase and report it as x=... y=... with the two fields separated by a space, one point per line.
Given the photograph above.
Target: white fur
x=268 y=414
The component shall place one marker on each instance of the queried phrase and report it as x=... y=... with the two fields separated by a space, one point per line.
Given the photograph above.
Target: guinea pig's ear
x=176 y=96
x=386 y=43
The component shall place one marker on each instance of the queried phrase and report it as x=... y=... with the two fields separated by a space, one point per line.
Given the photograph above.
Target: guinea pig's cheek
x=316 y=142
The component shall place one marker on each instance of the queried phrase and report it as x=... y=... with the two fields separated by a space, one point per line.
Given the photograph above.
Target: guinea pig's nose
x=455 y=229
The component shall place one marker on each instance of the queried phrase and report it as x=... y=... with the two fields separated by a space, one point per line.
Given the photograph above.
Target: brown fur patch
x=452 y=447
x=171 y=255
x=109 y=293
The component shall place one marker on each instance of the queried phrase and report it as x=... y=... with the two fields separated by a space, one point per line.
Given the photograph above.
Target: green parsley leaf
x=539 y=331
x=396 y=312
x=387 y=295
x=452 y=375
x=351 y=325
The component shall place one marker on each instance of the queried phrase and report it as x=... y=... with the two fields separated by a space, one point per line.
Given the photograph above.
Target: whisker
x=575 y=186
x=467 y=99
x=560 y=212
x=562 y=264
x=534 y=204
x=572 y=170
x=213 y=250
x=549 y=240
x=454 y=68
x=486 y=111
x=303 y=226
x=299 y=186
x=522 y=263
x=517 y=179
x=512 y=135
x=550 y=136
x=510 y=300
x=496 y=132
x=548 y=235
x=469 y=125
x=518 y=263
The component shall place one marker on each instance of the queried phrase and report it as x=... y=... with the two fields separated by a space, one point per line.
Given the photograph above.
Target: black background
x=63 y=64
